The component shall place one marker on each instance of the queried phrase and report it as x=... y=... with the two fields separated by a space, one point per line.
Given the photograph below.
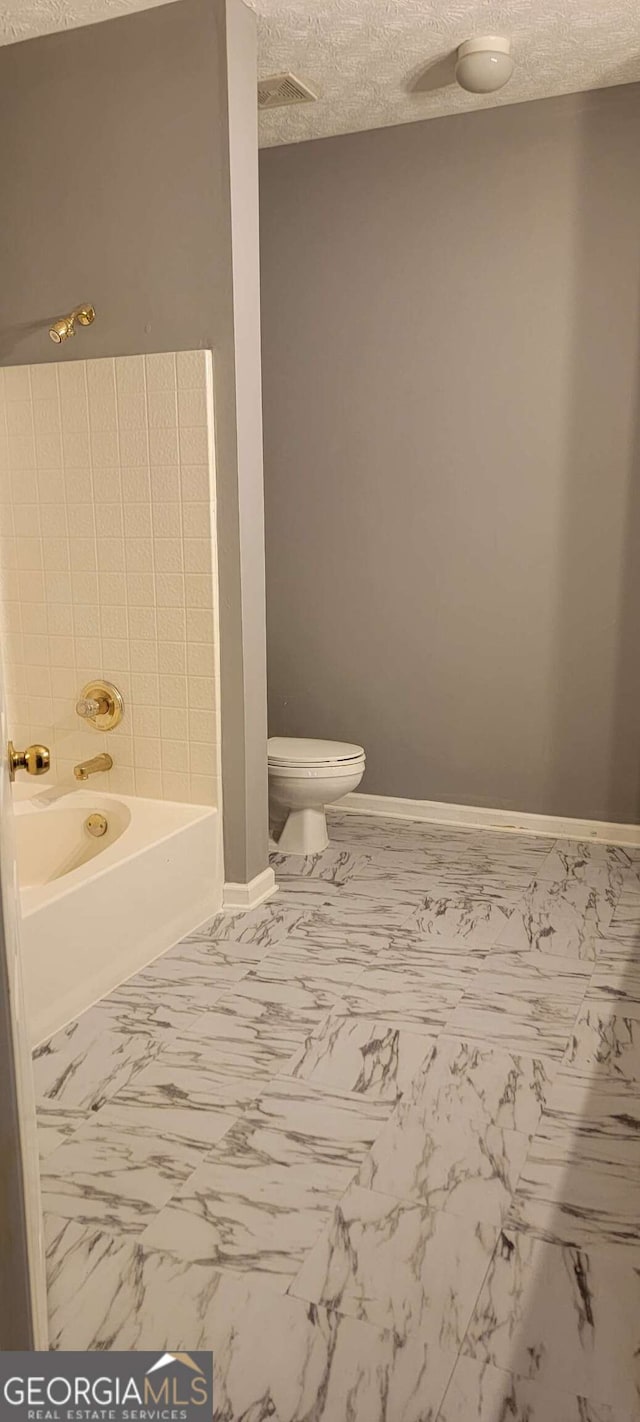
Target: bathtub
x=97 y=908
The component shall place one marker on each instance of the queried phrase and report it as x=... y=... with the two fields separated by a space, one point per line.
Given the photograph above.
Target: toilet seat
x=304 y=777
x=300 y=754
x=338 y=770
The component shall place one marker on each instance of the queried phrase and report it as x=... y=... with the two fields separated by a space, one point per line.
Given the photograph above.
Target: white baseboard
x=248 y=896
x=477 y=817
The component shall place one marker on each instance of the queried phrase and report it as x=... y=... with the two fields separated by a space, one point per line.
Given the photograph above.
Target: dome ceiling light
x=484 y=65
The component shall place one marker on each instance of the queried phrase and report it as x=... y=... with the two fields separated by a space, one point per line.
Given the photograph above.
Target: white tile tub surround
x=108 y=563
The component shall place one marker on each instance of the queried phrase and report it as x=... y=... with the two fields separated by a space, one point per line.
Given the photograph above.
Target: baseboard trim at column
x=248 y=896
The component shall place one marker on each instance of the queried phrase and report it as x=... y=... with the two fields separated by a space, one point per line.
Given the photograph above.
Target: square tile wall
x=108 y=565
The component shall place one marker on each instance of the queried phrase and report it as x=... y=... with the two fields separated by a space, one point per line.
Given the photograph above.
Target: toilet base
x=305 y=832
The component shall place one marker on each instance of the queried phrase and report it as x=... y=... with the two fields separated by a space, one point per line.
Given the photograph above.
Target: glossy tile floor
x=376 y=1143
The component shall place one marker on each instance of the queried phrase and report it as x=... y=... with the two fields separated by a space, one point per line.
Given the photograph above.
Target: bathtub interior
x=52 y=843
x=56 y=853
x=97 y=910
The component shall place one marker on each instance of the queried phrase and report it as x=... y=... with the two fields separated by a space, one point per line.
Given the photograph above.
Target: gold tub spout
x=91 y=767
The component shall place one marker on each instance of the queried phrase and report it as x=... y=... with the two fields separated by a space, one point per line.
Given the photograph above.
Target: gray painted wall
x=452 y=452
x=120 y=168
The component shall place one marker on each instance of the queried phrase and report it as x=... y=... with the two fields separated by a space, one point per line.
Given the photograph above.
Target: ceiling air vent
x=283 y=89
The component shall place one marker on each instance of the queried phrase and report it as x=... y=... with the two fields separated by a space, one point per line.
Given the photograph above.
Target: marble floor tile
x=588 y=1104
x=274 y=1356
x=622 y=934
x=439 y=844
x=339 y=958
x=375 y=831
x=169 y=994
x=399 y=1267
x=186 y=1124
x=160 y=1009
x=330 y=1119
x=86 y=1062
x=452 y=965
x=348 y=1092
x=290 y=1361
x=56 y=1124
x=335 y=866
x=589 y=1197
x=516 y=849
x=501 y=884
x=119 y=1168
x=271 y=1009
x=409 y=946
x=384 y=874
x=226 y=1068
x=480 y=1393
x=376 y=888
x=369 y=1058
x=416 y=1378
x=629 y=861
x=581 y=1180
x=297 y=982
x=416 y=999
x=616 y=972
x=223 y=962
x=524 y=1002
x=258 y=928
x=434 y=875
x=306 y=894
x=559 y=918
x=472 y=1081
x=476 y=851
x=606 y=1038
x=459 y=918
x=626 y=914
x=363 y=913
x=599 y=866
x=460 y=1165
x=347 y=943
x=566 y=1318
x=257 y=1203
x=86 y=1271
x=616 y=965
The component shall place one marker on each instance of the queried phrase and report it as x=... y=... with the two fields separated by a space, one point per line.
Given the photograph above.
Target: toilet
x=304 y=776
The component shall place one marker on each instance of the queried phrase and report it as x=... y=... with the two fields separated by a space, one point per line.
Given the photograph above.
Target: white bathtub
x=96 y=910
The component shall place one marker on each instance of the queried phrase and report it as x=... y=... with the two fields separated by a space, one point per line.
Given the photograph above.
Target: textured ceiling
x=379 y=62
x=367 y=58
x=23 y=19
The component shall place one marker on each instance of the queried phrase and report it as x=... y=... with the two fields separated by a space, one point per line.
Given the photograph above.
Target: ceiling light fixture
x=484 y=65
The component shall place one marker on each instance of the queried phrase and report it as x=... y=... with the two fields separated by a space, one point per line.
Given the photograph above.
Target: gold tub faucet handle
x=89 y=706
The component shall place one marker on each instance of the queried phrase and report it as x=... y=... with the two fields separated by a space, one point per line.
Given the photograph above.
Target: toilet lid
x=296 y=750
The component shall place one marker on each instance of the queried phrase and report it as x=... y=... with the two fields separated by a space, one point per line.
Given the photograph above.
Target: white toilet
x=304 y=776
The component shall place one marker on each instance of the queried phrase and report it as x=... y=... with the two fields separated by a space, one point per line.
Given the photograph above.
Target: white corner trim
x=248 y=896
x=477 y=817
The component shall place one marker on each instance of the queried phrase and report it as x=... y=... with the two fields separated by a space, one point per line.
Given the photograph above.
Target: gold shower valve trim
x=65 y=326
x=101 y=704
